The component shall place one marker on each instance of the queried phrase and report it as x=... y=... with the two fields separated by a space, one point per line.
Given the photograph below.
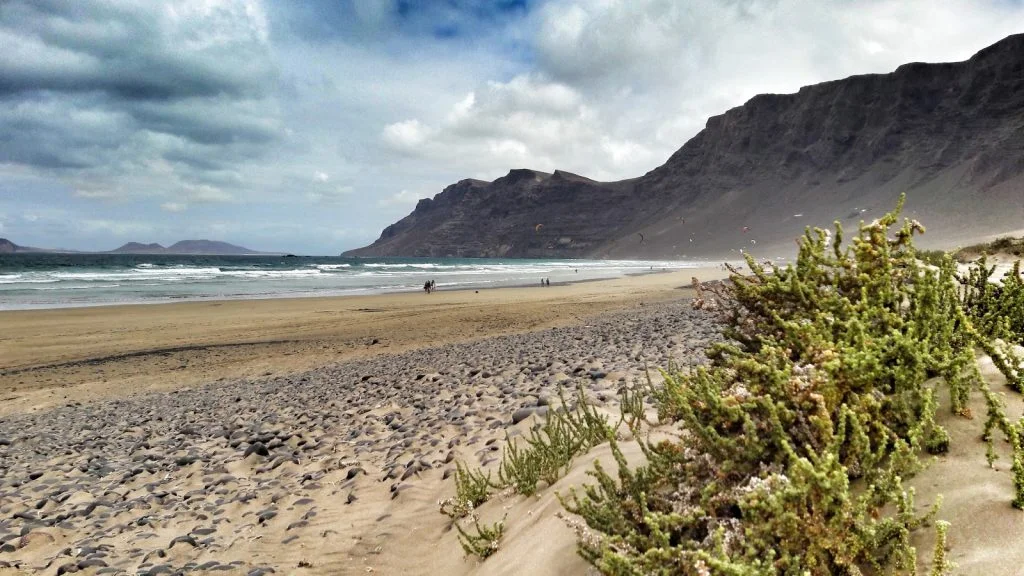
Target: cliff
x=950 y=135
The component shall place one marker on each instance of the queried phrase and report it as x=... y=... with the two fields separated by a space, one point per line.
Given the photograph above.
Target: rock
x=186 y=460
x=186 y=539
x=256 y=448
x=524 y=413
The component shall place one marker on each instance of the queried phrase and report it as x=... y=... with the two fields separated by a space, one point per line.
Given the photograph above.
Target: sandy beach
x=241 y=436
x=316 y=436
x=48 y=357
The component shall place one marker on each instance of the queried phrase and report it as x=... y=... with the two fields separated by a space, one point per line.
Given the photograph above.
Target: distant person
x=433 y=285
x=426 y=286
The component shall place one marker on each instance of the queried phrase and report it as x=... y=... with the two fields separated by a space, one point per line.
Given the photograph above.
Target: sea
x=44 y=280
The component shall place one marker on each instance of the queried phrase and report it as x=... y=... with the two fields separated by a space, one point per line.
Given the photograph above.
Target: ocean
x=31 y=280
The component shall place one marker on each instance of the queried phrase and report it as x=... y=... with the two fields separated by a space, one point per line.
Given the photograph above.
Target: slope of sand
x=338 y=468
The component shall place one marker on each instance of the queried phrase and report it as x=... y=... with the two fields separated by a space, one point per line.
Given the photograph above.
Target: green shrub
x=794 y=442
x=471 y=490
x=996 y=309
x=486 y=540
x=940 y=564
x=548 y=452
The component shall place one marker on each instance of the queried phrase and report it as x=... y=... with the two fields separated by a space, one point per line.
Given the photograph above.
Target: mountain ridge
x=950 y=135
x=187 y=247
x=182 y=247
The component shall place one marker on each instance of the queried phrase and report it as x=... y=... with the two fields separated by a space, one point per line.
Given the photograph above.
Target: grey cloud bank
x=308 y=127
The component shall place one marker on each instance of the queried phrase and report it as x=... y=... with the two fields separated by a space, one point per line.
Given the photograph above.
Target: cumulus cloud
x=528 y=121
x=406 y=135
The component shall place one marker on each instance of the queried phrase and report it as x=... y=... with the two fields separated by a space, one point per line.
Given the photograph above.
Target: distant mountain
x=207 y=247
x=203 y=247
x=8 y=247
x=949 y=135
x=194 y=247
x=139 y=248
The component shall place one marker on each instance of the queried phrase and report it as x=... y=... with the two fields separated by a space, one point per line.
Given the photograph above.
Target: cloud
x=116 y=227
x=307 y=116
x=406 y=135
x=159 y=51
x=333 y=194
x=127 y=100
x=528 y=121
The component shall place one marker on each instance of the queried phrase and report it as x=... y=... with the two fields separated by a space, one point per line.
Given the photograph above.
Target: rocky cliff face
x=524 y=214
x=950 y=135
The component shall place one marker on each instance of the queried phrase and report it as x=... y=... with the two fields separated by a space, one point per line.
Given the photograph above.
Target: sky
x=307 y=127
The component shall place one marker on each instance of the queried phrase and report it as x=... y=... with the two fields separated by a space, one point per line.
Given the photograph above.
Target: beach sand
x=264 y=437
x=49 y=357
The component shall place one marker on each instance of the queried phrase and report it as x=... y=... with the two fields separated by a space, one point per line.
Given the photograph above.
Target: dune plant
x=486 y=540
x=547 y=453
x=940 y=564
x=996 y=309
x=795 y=440
x=471 y=490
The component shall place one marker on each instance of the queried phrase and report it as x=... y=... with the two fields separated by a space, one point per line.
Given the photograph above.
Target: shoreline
x=55 y=355
x=354 y=293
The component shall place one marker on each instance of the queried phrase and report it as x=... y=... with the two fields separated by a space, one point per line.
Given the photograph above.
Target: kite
x=641 y=235
x=537 y=228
